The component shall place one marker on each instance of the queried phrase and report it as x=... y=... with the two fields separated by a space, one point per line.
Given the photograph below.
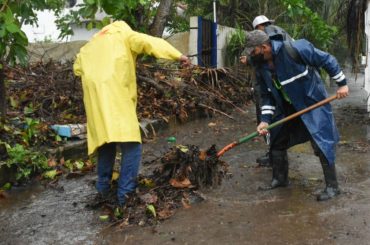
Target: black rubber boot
x=264 y=161
x=280 y=169
x=331 y=190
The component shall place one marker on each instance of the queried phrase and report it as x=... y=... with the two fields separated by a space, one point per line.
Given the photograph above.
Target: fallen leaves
x=7 y=186
x=166 y=93
x=202 y=155
x=3 y=189
x=185 y=183
x=52 y=162
x=151 y=210
x=104 y=218
x=212 y=124
x=185 y=203
x=173 y=184
x=115 y=176
x=146 y=182
x=165 y=213
x=3 y=194
x=51 y=174
x=149 y=198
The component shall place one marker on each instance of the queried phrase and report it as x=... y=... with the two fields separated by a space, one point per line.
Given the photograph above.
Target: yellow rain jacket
x=107 y=66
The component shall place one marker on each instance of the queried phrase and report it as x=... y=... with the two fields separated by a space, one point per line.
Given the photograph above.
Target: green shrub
x=235 y=46
x=26 y=161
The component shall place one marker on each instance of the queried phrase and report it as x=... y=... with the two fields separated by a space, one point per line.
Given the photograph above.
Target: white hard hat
x=260 y=20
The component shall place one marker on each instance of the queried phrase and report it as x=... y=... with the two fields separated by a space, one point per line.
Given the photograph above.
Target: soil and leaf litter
x=45 y=94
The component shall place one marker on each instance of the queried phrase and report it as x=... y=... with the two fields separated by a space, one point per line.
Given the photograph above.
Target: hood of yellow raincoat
x=107 y=66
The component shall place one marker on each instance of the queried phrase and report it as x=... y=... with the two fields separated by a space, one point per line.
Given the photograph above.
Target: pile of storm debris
x=51 y=94
x=42 y=95
x=174 y=183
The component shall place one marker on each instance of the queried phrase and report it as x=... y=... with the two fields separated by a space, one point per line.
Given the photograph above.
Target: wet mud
x=237 y=212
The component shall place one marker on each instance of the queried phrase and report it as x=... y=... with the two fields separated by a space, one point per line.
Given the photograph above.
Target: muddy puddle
x=237 y=212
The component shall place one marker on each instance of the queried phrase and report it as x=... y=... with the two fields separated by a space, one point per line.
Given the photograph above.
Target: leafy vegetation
x=26 y=161
x=31 y=130
x=29 y=162
x=235 y=45
x=311 y=20
x=308 y=24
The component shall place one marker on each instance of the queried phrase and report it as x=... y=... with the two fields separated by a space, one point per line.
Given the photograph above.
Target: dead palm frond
x=356 y=29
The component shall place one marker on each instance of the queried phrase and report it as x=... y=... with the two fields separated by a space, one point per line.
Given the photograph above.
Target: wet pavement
x=238 y=212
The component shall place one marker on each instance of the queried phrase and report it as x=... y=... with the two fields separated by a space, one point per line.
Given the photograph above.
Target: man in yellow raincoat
x=107 y=66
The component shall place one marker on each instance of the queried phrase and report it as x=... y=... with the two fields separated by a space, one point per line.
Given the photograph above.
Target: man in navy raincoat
x=287 y=86
x=274 y=32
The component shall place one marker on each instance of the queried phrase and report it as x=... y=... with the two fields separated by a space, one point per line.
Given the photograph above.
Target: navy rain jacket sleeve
x=268 y=107
x=317 y=58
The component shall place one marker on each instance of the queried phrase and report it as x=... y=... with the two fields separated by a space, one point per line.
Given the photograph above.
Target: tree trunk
x=2 y=95
x=160 y=19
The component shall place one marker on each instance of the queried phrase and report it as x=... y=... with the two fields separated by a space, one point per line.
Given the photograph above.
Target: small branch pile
x=173 y=184
x=51 y=93
x=47 y=91
x=55 y=94
x=183 y=91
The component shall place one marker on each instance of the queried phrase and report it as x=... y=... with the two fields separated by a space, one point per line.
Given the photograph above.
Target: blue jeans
x=130 y=162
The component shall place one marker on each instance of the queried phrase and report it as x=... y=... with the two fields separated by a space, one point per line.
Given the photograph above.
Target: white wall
x=193 y=40
x=46 y=29
x=82 y=34
x=223 y=35
x=367 y=67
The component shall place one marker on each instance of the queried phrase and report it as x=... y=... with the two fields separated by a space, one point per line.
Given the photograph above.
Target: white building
x=47 y=29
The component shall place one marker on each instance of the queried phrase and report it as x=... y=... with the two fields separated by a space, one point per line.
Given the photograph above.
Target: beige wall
x=54 y=51
x=68 y=50
x=180 y=41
